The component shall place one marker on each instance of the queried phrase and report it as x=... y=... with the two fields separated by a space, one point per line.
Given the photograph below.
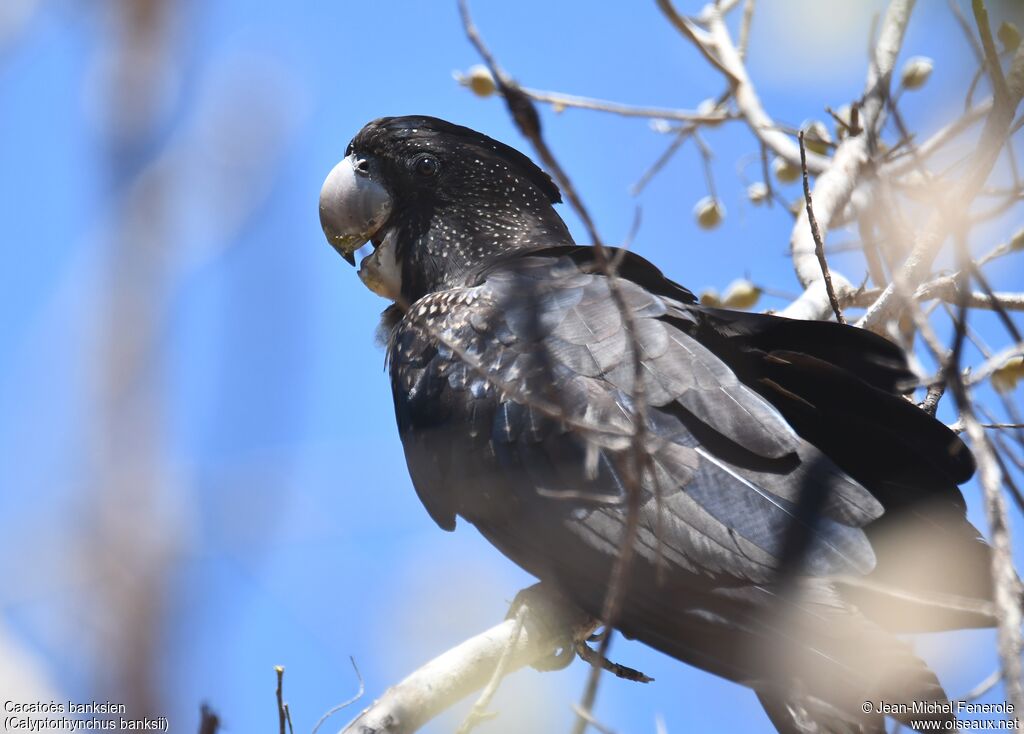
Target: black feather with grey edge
x=786 y=460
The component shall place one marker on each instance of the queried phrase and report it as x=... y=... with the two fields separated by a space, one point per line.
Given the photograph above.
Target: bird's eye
x=426 y=166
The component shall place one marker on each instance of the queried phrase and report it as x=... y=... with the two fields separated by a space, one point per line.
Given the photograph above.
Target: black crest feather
x=424 y=127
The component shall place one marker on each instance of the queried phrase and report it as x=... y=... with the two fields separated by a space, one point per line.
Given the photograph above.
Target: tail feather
x=846 y=668
x=841 y=390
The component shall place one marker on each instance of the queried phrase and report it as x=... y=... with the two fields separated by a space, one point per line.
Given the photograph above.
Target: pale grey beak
x=353 y=206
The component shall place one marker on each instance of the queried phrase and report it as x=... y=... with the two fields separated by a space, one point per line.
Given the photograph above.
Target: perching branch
x=548 y=623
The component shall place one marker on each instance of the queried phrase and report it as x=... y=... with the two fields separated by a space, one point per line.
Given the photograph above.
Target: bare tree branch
x=479 y=711
x=819 y=245
x=344 y=704
x=1007 y=585
x=945 y=289
x=638 y=460
x=548 y=623
x=993 y=137
x=717 y=47
x=558 y=99
x=836 y=185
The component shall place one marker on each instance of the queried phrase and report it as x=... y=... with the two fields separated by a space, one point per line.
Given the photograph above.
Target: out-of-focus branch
x=128 y=535
x=993 y=137
x=1007 y=585
x=937 y=141
x=945 y=289
x=995 y=71
x=638 y=459
x=982 y=687
x=548 y=622
x=995 y=362
x=209 y=722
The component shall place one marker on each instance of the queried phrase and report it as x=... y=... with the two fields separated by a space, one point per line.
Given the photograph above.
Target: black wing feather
x=515 y=398
x=572 y=351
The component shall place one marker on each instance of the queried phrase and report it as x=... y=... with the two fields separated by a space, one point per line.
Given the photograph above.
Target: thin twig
x=995 y=70
x=638 y=460
x=968 y=32
x=939 y=140
x=944 y=288
x=994 y=362
x=819 y=246
x=1006 y=583
x=661 y=161
x=282 y=717
x=526 y=119
x=209 y=722
x=836 y=185
x=1008 y=482
x=558 y=99
x=993 y=298
x=705 y=157
x=717 y=47
x=586 y=716
x=983 y=687
x=335 y=709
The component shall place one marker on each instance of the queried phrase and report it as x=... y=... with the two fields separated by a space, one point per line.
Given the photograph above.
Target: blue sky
x=295 y=535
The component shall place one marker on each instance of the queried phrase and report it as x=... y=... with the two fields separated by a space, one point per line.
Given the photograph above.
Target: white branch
x=718 y=48
x=918 y=262
x=993 y=363
x=548 y=623
x=944 y=288
x=837 y=183
x=1004 y=576
x=749 y=104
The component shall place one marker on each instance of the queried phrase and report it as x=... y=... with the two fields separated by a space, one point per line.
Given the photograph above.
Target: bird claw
x=550 y=608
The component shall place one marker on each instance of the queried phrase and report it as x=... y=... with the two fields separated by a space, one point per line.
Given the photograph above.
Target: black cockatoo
x=796 y=509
